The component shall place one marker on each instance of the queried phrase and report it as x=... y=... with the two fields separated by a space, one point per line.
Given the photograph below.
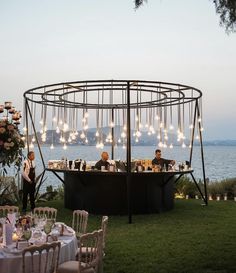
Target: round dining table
x=11 y=262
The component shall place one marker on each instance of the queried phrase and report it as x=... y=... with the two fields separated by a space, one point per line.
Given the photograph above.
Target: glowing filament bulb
x=112 y=124
x=86 y=140
x=97 y=134
x=191 y=126
x=199 y=119
x=171 y=146
x=86 y=115
x=64 y=146
x=101 y=145
x=156 y=117
x=86 y=127
x=202 y=129
x=31 y=146
x=138 y=134
x=119 y=140
x=65 y=127
x=136 y=139
x=52 y=146
x=82 y=135
x=123 y=134
x=183 y=145
x=171 y=127
x=69 y=139
x=41 y=122
x=54 y=119
x=24 y=129
x=33 y=139
x=123 y=147
x=57 y=130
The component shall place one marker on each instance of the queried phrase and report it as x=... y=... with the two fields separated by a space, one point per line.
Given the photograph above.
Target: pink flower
x=2 y=130
x=10 y=127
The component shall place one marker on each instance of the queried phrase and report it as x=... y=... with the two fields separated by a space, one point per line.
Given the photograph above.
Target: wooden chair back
x=4 y=210
x=41 y=258
x=50 y=213
x=90 y=251
x=79 y=222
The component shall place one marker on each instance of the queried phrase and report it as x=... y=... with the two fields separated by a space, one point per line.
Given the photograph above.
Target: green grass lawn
x=190 y=238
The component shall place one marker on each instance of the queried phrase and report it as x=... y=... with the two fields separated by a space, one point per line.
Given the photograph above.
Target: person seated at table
x=158 y=160
x=103 y=162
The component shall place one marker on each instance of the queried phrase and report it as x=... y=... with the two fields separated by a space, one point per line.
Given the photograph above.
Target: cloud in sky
x=44 y=42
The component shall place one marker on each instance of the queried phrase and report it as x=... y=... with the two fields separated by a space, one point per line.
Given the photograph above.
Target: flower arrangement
x=11 y=143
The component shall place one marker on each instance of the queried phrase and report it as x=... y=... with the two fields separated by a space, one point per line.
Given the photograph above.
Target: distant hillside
x=144 y=140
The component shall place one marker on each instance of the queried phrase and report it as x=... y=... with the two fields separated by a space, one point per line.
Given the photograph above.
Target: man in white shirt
x=28 y=176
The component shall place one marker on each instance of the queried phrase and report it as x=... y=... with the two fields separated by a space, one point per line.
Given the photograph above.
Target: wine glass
x=27 y=234
x=47 y=228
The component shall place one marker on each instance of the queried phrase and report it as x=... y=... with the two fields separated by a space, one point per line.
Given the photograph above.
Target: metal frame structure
x=137 y=96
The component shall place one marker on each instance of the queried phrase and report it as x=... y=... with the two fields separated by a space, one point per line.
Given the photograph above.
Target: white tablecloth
x=12 y=263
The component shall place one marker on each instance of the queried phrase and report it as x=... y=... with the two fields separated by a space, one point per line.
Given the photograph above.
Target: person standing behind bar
x=103 y=162
x=158 y=160
x=28 y=176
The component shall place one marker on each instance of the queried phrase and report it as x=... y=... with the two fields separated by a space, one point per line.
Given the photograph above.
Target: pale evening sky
x=45 y=42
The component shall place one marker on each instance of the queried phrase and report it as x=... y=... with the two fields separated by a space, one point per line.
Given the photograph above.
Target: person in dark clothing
x=158 y=160
x=103 y=162
x=28 y=176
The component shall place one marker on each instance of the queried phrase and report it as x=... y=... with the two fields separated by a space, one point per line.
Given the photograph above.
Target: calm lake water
x=220 y=161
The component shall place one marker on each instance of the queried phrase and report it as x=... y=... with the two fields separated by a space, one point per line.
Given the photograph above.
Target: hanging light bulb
x=57 y=130
x=86 y=114
x=24 y=129
x=23 y=138
x=86 y=140
x=73 y=137
x=146 y=125
x=86 y=127
x=112 y=124
x=197 y=136
x=134 y=134
x=97 y=134
x=31 y=146
x=125 y=127
x=97 y=145
x=76 y=133
x=160 y=144
x=171 y=146
x=149 y=133
x=82 y=135
x=64 y=146
x=54 y=119
x=136 y=139
x=106 y=140
x=60 y=122
x=26 y=146
x=161 y=125
x=156 y=117
x=69 y=139
x=164 y=145
x=136 y=118
x=191 y=126
x=123 y=134
x=166 y=137
x=123 y=147
x=83 y=119
x=183 y=145
x=119 y=140
x=171 y=127
x=41 y=122
x=202 y=129
x=65 y=127
x=52 y=146
x=199 y=119
x=190 y=146
x=33 y=139
x=138 y=134
x=41 y=131
x=101 y=145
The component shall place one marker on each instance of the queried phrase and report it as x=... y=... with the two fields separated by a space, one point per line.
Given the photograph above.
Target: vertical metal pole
x=202 y=155
x=41 y=155
x=112 y=134
x=128 y=156
x=27 y=124
x=193 y=132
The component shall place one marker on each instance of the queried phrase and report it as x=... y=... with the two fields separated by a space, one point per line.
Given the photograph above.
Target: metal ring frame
x=162 y=94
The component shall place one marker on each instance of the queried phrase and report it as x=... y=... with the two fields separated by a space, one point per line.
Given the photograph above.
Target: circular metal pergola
x=123 y=104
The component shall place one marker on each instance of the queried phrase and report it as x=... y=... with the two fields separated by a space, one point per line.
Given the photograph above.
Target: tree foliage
x=225 y=8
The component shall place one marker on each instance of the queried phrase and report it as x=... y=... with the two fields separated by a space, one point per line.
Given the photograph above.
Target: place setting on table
x=19 y=232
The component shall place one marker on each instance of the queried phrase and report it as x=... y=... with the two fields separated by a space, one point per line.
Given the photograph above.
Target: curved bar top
x=100 y=192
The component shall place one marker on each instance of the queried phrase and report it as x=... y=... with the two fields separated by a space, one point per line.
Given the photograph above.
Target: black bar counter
x=106 y=192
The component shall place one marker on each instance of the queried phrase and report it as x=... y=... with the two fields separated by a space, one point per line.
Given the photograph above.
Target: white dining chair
x=4 y=210
x=89 y=255
x=49 y=213
x=79 y=222
x=41 y=258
